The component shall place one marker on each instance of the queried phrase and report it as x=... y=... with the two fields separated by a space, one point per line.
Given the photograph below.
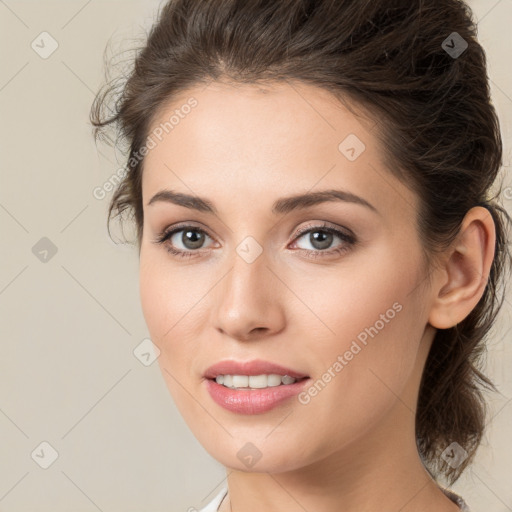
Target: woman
x=320 y=252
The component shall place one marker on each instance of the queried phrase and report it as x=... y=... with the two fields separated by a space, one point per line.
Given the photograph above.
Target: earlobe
x=464 y=275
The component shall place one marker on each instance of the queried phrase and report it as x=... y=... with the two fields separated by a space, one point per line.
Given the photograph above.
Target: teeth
x=254 y=381
x=288 y=380
x=240 y=381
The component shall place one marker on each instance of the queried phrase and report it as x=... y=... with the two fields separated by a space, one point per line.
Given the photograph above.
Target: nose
x=248 y=300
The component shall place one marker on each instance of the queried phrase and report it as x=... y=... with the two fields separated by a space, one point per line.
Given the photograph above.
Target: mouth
x=253 y=387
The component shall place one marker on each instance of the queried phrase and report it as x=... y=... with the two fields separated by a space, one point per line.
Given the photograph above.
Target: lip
x=253 y=401
x=254 y=367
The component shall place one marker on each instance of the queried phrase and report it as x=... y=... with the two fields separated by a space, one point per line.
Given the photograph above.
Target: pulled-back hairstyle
x=438 y=129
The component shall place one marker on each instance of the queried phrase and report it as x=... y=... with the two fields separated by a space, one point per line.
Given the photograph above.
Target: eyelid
x=298 y=232
x=327 y=226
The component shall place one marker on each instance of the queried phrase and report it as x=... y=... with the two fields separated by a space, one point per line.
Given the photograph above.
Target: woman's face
x=347 y=310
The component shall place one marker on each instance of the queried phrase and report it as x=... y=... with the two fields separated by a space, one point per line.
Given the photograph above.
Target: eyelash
x=312 y=254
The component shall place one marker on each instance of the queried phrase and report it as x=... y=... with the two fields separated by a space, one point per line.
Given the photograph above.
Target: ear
x=462 y=278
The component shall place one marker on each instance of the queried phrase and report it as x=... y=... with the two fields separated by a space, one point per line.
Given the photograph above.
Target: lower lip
x=253 y=401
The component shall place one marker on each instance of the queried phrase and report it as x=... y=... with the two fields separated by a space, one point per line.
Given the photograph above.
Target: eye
x=184 y=241
x=321 y=238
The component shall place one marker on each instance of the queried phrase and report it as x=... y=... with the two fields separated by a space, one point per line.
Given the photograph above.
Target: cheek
x=167 y=301
x=169 y=295
x=175 y=307
x=369 y=297
x=371 y=356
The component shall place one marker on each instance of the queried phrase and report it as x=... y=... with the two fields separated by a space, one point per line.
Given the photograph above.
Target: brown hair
x=439 y=130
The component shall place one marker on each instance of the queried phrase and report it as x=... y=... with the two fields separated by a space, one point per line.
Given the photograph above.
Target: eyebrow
x=281 y=206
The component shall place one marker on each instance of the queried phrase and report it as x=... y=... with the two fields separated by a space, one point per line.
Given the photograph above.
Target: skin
x=352 y=447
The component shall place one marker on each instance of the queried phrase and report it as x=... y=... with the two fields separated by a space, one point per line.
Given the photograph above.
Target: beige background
x=68 y=374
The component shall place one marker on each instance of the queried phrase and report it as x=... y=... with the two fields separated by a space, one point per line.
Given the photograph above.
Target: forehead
x=265 y=141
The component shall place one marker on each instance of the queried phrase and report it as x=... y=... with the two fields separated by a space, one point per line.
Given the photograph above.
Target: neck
x=381 y=470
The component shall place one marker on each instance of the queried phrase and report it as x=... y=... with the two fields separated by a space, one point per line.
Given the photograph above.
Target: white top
x=213 y=506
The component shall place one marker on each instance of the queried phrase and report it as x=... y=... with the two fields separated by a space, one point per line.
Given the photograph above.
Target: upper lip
x=254 y=367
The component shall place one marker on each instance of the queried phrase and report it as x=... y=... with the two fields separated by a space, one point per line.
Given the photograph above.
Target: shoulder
x=213 y=505
x=457 y=500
